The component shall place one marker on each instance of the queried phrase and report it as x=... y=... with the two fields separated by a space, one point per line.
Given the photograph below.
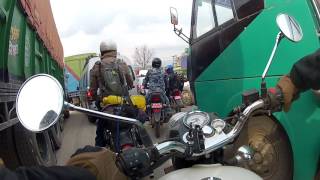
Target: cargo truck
x=73 y=68
x=29 y=44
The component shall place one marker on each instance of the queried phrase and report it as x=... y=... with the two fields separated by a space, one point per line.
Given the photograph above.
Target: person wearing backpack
x=173 y=80
x=155 y=80
x=111 y=78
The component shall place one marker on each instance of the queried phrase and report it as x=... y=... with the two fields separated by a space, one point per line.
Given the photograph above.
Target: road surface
x=78 y=132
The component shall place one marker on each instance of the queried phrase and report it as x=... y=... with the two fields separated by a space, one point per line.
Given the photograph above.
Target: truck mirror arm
x=179 y=33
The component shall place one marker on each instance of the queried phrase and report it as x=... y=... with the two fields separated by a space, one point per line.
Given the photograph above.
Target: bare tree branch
x=143 y=55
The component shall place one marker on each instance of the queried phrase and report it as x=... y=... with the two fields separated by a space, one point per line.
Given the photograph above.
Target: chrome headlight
x=175 y=119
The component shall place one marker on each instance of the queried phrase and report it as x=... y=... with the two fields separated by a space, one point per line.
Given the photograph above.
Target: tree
x=143 y=55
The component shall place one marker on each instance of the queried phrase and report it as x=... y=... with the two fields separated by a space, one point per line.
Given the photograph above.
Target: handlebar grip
x=134 y=162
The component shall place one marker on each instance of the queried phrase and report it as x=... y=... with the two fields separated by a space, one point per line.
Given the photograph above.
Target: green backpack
x=113 y=78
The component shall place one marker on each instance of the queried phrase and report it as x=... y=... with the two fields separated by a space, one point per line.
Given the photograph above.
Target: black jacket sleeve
x=47 y=173
x=146 y=80
x=305 y=73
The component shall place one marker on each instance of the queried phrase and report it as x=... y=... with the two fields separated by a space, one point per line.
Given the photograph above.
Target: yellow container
x=112 y=100
x=139 y=101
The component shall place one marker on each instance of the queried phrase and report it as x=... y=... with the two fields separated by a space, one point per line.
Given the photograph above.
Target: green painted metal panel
x=16 y=49
x=22 y=53
x=38 y=57
x=29 y=53
x=240 y=66
x=248 y=54
x=5 y=6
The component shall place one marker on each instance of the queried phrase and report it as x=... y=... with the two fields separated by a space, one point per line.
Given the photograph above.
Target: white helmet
x=108 y=45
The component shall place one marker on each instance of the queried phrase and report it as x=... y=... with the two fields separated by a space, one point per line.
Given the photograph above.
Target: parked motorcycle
x=198 y=135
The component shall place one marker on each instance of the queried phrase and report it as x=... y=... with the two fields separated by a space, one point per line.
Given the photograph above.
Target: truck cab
x=230 y=42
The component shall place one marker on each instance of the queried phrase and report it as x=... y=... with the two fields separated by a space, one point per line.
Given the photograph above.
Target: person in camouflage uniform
x=155 y=81
x=108 y=51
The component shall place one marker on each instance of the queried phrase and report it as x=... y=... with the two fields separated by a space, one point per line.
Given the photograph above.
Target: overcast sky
x=82 y=24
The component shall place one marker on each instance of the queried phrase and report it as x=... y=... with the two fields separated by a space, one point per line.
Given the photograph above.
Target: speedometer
x=194 y=118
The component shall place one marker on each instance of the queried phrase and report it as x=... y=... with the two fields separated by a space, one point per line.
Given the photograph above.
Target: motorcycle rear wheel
x=272 y=159
x=157 y=129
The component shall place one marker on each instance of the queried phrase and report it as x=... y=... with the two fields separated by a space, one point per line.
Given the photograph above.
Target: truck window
x=204 y=17
x=245 y=8
x=316 y=6
x=224 y=11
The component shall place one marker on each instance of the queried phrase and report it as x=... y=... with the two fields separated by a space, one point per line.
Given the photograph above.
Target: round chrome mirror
x=289 y=27
x=39 y=102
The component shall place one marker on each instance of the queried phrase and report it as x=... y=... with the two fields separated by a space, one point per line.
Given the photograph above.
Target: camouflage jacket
x=155 y=79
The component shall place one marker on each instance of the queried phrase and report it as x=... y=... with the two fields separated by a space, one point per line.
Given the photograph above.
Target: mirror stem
x=278 y=39
x=181 y=34
x=264 y=89
x=103 y=115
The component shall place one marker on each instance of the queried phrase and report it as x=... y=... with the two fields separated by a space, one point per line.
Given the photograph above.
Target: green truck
x=74 y=66
x=230 y=43
x=29 y=44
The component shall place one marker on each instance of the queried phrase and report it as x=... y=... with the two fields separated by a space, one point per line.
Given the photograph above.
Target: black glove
x=134 y=162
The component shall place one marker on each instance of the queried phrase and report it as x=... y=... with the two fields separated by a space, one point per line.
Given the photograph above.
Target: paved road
x=78 y=132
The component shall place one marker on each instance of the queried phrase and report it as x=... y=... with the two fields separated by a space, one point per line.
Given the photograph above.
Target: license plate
x=177 y=97
x=156 y=105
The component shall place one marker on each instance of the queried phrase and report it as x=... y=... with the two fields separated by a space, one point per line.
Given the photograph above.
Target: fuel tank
x=212 y=172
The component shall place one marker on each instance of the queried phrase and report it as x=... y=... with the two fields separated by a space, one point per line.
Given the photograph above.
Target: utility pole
x=173 y=59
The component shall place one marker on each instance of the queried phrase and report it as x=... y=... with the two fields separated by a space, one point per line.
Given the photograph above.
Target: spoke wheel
x=272 y=159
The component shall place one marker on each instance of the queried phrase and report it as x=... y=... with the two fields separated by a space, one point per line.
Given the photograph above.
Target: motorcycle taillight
x=156 y=110
x=155 y=99
x=89 y=94
x=176 y=93
x=127 y=146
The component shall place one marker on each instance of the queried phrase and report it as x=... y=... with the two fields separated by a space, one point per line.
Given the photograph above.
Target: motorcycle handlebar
x=211 y=143
x=215 y=142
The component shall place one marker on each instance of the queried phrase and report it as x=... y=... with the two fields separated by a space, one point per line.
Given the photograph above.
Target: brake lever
x=274 y=100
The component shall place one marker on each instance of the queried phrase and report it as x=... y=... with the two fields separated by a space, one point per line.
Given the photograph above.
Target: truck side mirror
x=174 y=16
x=174 y=21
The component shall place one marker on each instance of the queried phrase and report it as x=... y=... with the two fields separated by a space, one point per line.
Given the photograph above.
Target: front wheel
x=272 y=158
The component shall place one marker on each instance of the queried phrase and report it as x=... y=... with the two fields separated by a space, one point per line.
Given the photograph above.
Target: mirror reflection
x=39 y=102
x=174 y=16
x=289 y=27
